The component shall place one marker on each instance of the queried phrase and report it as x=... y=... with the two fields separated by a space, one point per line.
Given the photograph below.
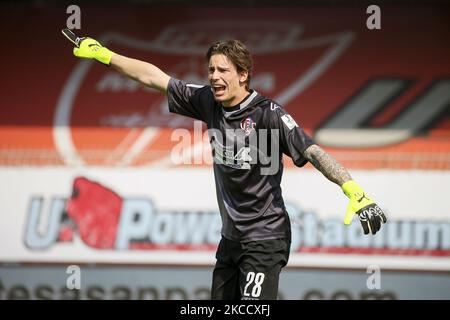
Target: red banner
x=374 y=98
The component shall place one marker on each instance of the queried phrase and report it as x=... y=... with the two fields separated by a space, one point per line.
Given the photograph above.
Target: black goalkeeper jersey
x=247 y=143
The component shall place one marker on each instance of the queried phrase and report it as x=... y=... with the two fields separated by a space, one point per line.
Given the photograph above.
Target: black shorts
x=249 y=270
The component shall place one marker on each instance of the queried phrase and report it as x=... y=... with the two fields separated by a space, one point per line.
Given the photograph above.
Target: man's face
x=227 y=84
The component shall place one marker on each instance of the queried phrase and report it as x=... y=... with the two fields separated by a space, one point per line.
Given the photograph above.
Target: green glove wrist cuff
x=351 y=188
x=104 y=55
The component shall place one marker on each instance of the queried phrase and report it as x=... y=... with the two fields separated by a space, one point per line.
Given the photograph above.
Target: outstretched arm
x=369 y=213
x=143 y=72
x=326 y=164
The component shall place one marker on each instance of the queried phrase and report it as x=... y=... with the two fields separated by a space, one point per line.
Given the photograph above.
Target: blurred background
x=99 y=192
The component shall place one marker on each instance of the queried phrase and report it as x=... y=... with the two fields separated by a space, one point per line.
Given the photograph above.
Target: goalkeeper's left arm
x=369 y=213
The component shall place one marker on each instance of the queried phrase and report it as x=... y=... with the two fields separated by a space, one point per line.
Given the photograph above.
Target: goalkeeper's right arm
x=144 y=72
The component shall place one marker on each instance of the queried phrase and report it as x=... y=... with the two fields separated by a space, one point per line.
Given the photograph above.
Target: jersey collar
x=244 y=103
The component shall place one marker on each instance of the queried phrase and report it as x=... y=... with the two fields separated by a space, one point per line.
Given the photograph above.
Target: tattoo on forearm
x=326 y=164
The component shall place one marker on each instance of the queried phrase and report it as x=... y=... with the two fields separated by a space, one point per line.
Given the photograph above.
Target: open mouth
x=219 y=90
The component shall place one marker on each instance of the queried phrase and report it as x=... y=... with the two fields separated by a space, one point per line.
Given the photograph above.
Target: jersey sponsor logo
x=226 y=156
x=289 y=121
x=248 y=125
x=250 y=150
x=243 y=155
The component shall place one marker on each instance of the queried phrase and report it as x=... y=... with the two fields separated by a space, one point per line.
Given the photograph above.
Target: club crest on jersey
x=248 y=125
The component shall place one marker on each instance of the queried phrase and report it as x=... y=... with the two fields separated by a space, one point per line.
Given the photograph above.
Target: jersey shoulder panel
x=189 y=99
x=272 y=113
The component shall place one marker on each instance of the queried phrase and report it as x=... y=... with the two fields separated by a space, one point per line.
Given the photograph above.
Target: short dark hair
x=237 y=52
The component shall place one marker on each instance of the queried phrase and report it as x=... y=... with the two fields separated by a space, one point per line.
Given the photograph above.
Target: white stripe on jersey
x=246 y=103
x=194 y=85
x=242 y=105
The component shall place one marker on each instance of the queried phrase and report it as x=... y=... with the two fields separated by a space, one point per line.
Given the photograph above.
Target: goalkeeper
x=256 y=234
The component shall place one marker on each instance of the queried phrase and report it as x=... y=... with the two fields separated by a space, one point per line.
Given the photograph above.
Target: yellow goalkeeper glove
x=92 y=49
x=369 y=213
